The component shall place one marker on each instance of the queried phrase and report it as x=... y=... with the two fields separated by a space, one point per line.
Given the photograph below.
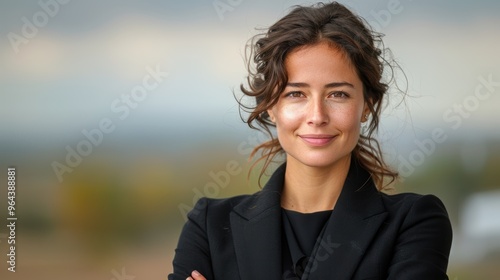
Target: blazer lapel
x=256 y=227
x=356 y=218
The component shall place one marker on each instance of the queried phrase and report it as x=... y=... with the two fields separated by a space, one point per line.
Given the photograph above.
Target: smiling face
x=318 y=116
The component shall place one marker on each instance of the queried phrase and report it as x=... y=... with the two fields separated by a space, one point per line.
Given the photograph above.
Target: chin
x=320 y=161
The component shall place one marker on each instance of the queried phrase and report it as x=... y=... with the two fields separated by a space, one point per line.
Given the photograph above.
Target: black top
x=300 y=230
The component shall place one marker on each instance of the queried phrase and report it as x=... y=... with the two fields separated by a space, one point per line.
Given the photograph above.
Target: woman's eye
x=294 y=94
x=339 y=94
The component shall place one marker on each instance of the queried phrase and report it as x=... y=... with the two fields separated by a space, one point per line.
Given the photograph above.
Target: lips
x=317 y=139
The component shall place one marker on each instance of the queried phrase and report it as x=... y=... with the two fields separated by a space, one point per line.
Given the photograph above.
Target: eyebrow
x=330 y=85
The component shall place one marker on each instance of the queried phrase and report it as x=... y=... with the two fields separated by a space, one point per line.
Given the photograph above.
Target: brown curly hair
x=303 y=26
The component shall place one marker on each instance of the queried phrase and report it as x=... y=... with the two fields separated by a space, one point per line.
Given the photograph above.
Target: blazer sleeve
x=193 y=252
x=424 y=242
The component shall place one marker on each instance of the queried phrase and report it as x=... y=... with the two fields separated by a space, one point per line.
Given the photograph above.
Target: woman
x=321 y=215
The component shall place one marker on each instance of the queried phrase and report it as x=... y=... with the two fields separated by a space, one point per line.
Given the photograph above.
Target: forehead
x=323 y=59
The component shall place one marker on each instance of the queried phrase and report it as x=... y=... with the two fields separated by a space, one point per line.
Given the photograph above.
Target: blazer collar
x=256 y=225
x=356 y=218
x=268 y=197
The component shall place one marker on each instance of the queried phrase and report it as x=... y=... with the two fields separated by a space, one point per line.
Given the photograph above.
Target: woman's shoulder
x=409 y=198
x=413 y=204
x=226 y=202
x=218 y=206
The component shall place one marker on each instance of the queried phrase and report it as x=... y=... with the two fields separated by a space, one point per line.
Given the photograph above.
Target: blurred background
x=119 y=115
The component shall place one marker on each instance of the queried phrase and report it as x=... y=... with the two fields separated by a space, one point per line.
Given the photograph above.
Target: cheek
x=288 y=116
x=347 y=119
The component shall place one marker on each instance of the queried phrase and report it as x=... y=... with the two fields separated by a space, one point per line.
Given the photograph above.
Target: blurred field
x=116 y=213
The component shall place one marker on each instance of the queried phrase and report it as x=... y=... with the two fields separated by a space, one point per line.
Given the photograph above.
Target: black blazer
x=370 y=235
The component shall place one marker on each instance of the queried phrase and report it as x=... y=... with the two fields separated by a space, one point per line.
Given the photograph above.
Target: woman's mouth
x=317 y=139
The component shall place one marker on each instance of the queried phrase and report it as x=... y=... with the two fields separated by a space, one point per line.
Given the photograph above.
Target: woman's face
x=318 y=116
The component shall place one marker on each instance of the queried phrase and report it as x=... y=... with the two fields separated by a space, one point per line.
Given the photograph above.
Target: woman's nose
x=318 y=113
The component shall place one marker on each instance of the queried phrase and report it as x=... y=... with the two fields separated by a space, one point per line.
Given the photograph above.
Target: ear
x=366 y=112
x=271 y=115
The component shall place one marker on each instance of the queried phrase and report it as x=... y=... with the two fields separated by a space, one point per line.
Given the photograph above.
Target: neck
x=311 y=189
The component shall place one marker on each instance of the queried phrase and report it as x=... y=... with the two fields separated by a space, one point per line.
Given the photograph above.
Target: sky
x=66 y=66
